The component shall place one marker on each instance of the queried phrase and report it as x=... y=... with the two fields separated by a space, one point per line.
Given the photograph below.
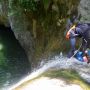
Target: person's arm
x=71 y=32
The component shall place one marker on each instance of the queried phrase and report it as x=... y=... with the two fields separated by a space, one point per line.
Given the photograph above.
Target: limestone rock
x=84 y=10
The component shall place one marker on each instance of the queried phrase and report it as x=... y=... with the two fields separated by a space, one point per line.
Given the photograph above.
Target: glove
x=67 y=35
x=85 y=59
x=70 y=31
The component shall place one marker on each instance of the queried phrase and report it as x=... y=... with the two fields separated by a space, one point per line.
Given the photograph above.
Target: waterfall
x=57 y=62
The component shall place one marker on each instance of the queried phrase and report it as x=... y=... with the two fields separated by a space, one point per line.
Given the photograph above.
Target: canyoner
x=82 y=31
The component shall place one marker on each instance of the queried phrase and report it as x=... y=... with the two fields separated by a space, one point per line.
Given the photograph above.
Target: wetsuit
x=82 y=31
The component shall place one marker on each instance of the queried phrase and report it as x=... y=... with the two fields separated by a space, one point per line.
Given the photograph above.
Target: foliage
x=46 y=3
x=46 y=11
x=50 y=17
x=28 y=4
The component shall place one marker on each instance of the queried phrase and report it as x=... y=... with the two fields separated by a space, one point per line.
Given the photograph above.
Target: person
x=82 y=31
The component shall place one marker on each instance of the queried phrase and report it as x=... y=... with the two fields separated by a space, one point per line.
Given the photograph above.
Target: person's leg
x=86 y=40
x=88 y=46
x=88 y=43
x=84 y=45
x=72 y=43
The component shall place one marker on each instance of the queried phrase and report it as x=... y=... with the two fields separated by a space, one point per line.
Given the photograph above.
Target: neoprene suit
x=82 y=31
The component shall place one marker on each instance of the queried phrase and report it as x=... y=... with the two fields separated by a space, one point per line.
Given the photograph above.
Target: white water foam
x=56 y=62
x=51 y=63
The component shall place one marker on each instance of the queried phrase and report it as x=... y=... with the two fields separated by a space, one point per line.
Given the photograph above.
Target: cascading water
x=57 y=62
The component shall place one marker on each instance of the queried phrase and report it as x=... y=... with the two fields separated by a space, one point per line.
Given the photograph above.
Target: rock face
x=84 y=10
x=9 y=16
x=14 y=16
x=3 y=13
x=22 y=34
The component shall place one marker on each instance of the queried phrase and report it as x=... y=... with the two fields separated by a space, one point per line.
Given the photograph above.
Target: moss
x=51 y=19
x=70 y=76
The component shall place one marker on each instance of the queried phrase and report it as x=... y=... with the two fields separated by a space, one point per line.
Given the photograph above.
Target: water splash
x=56 y=62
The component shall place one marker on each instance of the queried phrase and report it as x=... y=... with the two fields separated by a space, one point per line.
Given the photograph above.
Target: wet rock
x=84 y=10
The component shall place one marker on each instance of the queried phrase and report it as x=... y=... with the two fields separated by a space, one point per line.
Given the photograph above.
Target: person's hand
x=68 y=35
x=71 y=30
x=85 y=59
x=73 y=27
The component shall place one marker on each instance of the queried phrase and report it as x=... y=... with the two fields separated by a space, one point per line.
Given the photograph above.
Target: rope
x=67 y=63
x=75 y=52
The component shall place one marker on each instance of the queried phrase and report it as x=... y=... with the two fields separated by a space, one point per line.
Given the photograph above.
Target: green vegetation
x=46 y=21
